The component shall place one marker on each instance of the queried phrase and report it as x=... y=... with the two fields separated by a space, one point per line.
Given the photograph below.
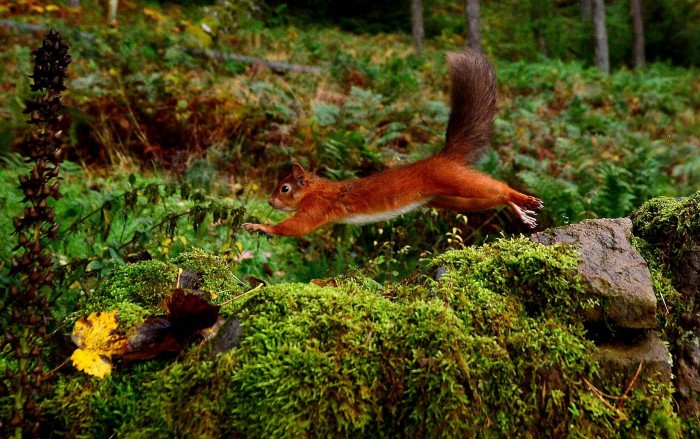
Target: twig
x=241 y=295
x=52 y=371
x=31 y=27
x=664 y=301
x=179 y=275
x=599 y=394
x=624 y=395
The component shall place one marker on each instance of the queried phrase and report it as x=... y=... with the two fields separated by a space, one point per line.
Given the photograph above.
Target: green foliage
x=359 y=16
x=672 y=31
x=588 y=145
x=121 y=223
x=585 y=145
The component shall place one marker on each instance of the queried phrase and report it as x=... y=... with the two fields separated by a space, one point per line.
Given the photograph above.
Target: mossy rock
x=476 y=353
x=215 y=274
x=138 y=290
x=673 y=223
x=542 y=277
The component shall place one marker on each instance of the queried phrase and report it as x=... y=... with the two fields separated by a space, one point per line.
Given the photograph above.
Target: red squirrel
x=444 y=180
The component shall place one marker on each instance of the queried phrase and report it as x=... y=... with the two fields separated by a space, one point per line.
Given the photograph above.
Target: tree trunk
x=74 y=3
x=112 y=13
x=417 y=25
x=638 y=57
x=541 y=42
x=473 y=25
x=602 y=57
x=585 y=10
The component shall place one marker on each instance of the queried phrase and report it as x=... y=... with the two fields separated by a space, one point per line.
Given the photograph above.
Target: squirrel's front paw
x=257 y=228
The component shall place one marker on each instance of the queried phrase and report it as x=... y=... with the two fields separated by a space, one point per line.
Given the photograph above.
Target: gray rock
x=227 y=337
x=189 y=280
x=611 y=269
x=440 y=272
x=691 y=348
x=620 y=360
x=687 y=274
x=687 y=373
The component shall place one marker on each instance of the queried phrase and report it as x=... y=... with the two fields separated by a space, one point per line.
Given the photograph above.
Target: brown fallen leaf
x=187 y=316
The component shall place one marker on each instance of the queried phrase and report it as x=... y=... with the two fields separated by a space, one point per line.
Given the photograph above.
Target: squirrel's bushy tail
x=473 y=101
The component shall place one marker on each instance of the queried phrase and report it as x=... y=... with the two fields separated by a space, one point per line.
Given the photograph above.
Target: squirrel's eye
x=285 y=188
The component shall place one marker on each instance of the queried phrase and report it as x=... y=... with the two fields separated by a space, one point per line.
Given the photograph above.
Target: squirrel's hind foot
x=522 y=209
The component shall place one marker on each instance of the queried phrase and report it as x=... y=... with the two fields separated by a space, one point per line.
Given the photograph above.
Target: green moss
x=85 y=406
x=217 y=276
x=691 y=426
x=145 y=283
x=490 y=349
x=670 y=302
x=137 y=290
x=673 y=223
x=542 y=277
x=321 y=361
x=665 y=229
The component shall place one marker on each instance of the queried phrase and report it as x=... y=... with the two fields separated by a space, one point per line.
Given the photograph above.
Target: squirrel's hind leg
x=461 y=204
x=464 y=189
x=523 y=205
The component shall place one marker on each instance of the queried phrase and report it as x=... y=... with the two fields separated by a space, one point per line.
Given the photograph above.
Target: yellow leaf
x=91 y=363
x=52 y=8
x=97 y=341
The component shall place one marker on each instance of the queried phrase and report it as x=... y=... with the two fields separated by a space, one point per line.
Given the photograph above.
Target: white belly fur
x=366 y=218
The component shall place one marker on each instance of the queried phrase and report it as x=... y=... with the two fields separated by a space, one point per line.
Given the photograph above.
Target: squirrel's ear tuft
x=299 y=173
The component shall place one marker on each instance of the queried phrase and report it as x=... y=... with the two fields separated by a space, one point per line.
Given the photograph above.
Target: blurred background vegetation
x=183 y=115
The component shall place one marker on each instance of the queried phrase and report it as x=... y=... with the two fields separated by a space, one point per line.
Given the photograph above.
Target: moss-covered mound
x=672 y=223
x=137 y=291
x=493 y=347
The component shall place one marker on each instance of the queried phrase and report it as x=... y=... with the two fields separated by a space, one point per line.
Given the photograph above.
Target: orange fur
x=442 y=181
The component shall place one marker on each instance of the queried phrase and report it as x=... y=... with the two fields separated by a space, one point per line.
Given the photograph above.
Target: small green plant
x=140 y=221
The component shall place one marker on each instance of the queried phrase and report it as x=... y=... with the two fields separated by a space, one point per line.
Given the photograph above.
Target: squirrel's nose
x=270 y=202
